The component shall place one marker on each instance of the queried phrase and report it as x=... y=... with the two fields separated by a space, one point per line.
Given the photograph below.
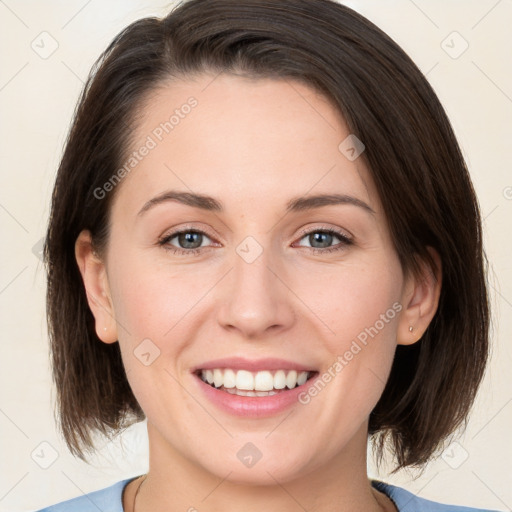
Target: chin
x=267 y=470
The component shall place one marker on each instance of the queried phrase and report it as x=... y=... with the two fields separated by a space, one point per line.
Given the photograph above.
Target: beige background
x=38 y=91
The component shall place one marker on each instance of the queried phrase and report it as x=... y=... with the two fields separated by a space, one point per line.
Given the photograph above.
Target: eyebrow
x=209 y=203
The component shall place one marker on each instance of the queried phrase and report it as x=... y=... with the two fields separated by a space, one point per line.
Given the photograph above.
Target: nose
x=256 y=299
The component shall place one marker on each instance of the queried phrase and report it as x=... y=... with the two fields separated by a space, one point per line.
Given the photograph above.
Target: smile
x=253 y=387
x=254 y=383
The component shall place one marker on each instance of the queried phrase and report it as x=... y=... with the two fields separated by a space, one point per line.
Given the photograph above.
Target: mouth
x=262 y=383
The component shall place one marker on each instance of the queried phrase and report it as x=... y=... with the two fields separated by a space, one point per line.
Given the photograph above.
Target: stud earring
x=410 y=328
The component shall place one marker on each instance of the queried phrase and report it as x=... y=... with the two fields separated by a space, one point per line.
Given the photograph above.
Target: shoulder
x=108 y=499
x=406 y=501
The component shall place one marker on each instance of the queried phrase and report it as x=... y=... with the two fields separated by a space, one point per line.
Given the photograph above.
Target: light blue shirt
x=109 y=500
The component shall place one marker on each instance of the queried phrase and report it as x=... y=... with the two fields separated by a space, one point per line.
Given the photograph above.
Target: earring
x=410 y=328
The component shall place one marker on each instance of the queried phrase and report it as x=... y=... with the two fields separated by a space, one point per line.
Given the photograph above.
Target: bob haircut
x=411 y=153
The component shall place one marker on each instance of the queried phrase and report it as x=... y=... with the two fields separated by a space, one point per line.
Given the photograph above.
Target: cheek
x=156 y=309
x=360 y=305
x=353 y=299
x=150 y=298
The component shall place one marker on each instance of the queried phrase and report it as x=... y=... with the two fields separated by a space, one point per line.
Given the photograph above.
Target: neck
x=176 y=482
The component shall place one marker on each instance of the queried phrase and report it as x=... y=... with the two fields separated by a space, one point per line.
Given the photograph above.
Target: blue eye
x=325 y=237
x=190 y=241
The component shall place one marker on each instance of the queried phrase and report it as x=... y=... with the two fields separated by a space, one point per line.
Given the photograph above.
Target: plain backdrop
x=464 y=48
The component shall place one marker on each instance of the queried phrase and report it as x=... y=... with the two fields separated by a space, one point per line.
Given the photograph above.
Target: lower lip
x=253 y=407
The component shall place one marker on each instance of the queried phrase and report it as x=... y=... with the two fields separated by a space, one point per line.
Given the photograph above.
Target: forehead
x=252 y=142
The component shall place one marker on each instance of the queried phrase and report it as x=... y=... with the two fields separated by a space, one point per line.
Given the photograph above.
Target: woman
x=263 y=239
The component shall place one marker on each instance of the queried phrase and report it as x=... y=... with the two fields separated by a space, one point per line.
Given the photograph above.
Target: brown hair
x=411 y=152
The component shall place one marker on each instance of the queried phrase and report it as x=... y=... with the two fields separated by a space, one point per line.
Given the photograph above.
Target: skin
x=253 y=145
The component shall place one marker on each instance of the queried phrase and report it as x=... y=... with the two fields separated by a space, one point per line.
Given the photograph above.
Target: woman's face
x=264 y=281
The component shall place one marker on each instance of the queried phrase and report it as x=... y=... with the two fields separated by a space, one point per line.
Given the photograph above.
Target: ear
x=95 y=280
x=420 y=301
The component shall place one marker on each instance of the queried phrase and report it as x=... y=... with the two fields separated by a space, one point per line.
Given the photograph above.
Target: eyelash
x=164 y=241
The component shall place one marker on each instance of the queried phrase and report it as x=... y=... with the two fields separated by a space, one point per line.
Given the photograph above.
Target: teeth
x=239 y=392
x=291 y=379
x=245 y=383
x=303 y=377
x=280 y=379
x=218 y=378
x=229 y=379
x=263 y=381
x=244 y=380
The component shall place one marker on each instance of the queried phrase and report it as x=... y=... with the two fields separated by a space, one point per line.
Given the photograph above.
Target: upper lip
x=239 y=363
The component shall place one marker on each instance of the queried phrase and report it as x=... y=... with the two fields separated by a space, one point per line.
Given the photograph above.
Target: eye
x=321 y=239
x=189 y=241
